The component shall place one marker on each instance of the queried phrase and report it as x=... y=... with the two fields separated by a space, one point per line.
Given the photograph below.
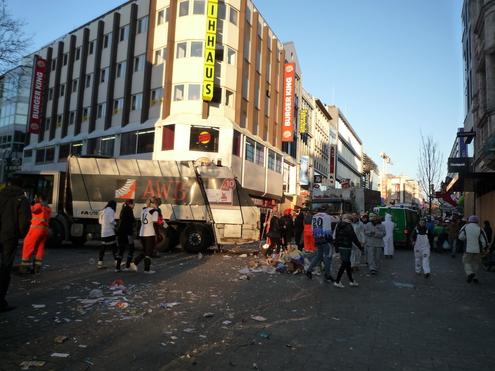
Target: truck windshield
x=34 y=183
x=335 y=207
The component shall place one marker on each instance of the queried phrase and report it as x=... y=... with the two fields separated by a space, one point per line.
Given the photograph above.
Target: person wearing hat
x=421 y=239
x=475 y=241
x=374 y=232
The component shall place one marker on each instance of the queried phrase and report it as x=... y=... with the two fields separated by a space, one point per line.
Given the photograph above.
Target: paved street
x=395 y=320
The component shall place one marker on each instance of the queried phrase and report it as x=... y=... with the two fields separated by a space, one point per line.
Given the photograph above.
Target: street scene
x=209 y=312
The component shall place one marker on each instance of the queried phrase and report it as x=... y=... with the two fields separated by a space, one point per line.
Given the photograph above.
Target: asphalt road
x=202 y=314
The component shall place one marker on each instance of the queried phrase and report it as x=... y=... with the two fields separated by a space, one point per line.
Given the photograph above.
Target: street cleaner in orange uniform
x=34 y=243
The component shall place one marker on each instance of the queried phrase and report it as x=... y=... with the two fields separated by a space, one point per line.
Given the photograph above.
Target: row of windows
x=198 y=7
x=255 y=153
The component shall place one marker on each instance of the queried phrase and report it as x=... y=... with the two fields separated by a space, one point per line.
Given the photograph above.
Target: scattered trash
x=91 y=261
x=27 y=364
x=255 y=365
x=209 y=314
x=91 y=363
x=227 y=322
x=62 y=355
x=336 y=318
x=232 y=363
x=95 y=293
x=243 y=256
x=200 y=256
x=117 y=285
x=266 y=336
x=408 y=285
x=60 y=339
x=170 y=305
x=189 y=330
x=259 y=318
x=37 y=306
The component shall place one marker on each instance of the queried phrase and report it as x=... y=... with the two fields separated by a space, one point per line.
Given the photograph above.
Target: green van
x=405 y=220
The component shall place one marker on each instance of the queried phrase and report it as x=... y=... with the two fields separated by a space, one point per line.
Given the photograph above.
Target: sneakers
x=427 y=275
x=133 y=267
x=100 y=265
x=338 y=284
x=354 y=284
x=149 y=272
x=373 y=272
x=329 y=279
x=118 y=270
x=126 y=269
x=310 y=275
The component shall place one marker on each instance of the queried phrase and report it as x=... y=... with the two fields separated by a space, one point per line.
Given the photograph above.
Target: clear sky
x=393 y=67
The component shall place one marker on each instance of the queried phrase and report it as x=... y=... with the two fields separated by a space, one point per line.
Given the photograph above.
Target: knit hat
x=473 y=219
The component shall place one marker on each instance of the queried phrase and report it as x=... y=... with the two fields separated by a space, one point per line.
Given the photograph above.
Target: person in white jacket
x=358 y=226
x=475 y=242
x=106 y=218
x=388 y=240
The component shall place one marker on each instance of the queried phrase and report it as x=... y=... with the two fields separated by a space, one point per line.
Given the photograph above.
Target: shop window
x=250 y=145
x=168 y=138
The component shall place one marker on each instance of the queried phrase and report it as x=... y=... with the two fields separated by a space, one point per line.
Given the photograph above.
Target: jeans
x=453 y=245
x=323 y=251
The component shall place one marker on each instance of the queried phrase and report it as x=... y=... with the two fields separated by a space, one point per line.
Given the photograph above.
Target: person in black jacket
x=299 y=229
x=344 y=237
x=15 y=220
x=274 y=234
x=125 y=235
x=287 y=229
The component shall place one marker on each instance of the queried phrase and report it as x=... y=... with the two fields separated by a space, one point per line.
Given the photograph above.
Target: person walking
x=34 y=243
x=374 y=232
x=15 y=220
x=345 y=239
x=357 y=249
x=421 y=238
x=148 y=234
x=298 y=230
x=475 y=242
x=322 y=232
x=125 y=236
x=488 y=231
x=309 y=239
x=275 y=234
x=452 y=230
x=106 y=218
x=439 y=236
x=287 y=229
x=388 y=240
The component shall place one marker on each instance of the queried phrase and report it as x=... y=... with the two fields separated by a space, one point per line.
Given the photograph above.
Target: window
x=88 y=80
x=168 y=138
x=142 y=25
x=204 y=139
x=62 y=90
x=104 y=75
x=145 y=141
x=124 y=33
x=197 y=49
x=231 y=56
x=45 y=155
x=217 y=95
x=107 y=40
x=86 y=112
x=194 y=92
x=76 y=148
x=107 y=146
x=128 y=143
x=136 y=102
x=222 y=11
x=121 y=67
x=183 y=8
x=72 y=118
x=181 y=50
x=74 y=85
x=63 y=152
x=91 y=47
x=250 y=149
x=236 y=144
x=271 y=160
x=233 y=16
x=66 y=59
x=278 y=164
x=139 y=63
x=178 y=92
x=54 y=64
x=50 y=94
x=102 y=108
x=260 y=154
x=78 y=54
x=199 y=7
x=162 y=16
x=118 y=104
x=157 y=97
x=160 y=56
x=92 y=146
x=60 y=118
x=47 y=123
x=229 y=98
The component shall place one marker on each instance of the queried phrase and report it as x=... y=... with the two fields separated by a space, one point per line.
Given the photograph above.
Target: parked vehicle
x=405 y=220
x=203 y=204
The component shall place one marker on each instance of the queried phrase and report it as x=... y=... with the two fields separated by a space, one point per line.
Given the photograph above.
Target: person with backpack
x=344 y=238
x=475 y=243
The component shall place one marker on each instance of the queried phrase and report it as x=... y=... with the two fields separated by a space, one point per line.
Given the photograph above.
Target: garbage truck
x=203 y=204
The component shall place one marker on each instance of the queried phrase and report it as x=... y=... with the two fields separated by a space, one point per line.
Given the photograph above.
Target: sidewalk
x=395 y=320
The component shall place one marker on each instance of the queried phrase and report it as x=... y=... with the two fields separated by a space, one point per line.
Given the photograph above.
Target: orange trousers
x=34 y=243
x=309 y=240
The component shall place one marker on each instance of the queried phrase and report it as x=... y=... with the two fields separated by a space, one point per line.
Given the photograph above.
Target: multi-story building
x=472 y=173
x=169 y=79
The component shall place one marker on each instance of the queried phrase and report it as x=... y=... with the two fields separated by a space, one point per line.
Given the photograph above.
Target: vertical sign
x=304 y=171
x=36 y=99
x=331 y=173
x=288 y=116
x=210 y=44
x=303 y=124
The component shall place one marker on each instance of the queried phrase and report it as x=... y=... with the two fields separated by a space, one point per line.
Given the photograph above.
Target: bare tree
x=429 y=168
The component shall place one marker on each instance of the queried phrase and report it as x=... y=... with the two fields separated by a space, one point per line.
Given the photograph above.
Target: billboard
x=304 y=171
x=36 y=99
x=288 y=105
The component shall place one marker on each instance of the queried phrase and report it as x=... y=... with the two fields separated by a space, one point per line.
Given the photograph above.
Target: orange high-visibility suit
x=34 y=243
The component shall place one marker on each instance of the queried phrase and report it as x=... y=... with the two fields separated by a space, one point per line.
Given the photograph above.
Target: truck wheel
x=81 y=240
x=195 y=238
x=167 y=239
x=55 y=234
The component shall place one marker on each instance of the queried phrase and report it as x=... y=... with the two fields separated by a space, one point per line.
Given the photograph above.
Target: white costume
x=388 y=240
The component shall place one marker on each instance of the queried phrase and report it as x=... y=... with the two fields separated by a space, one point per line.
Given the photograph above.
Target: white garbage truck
x=202 y=204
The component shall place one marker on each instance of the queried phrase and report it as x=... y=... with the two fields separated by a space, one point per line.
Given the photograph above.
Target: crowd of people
x=372 y=236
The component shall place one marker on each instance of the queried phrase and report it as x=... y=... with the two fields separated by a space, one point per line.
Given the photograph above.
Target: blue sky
x=393 y=67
